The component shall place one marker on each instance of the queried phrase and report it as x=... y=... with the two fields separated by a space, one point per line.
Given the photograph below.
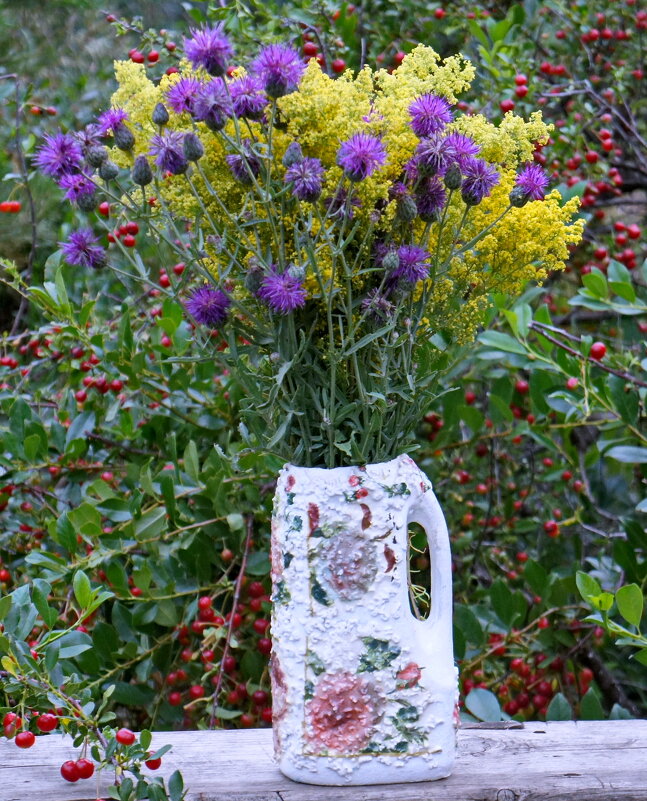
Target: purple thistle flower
x=413 y=264
x=181 y=96
x=110 y=120
x=480 y=179
x=59 y=155
x=212 y=105
x=168 y=150
x=305 y=177
x=89 y=137
x=377 y=306
x=280 y=69
x=430 y=198
x=432 y=156
x=429 y=114
x=360 y=156
x=460 y=148
x=244 y=165
x=208 y=306
x=248 y=97
x=209 y=48
x=77 y=185
x=81 y=249
x=282 y=292
x=532 y=182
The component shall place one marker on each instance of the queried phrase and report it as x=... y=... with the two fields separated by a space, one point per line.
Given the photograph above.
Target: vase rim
x=345 y=468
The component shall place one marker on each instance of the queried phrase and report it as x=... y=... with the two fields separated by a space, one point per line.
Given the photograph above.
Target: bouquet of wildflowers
x=339 y=235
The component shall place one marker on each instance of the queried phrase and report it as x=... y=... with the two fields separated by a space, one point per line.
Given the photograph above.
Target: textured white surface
x=363 y=692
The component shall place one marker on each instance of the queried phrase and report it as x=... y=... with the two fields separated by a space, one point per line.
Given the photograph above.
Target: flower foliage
x=357 y=228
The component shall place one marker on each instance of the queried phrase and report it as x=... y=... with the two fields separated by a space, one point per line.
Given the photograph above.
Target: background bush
x=135 y=521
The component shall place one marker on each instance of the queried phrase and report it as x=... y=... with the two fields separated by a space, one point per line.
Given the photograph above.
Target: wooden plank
x=584 y=761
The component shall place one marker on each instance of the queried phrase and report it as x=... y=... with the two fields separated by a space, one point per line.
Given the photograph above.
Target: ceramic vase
x=363 y=691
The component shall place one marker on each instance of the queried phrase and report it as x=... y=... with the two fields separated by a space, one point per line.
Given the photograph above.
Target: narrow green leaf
x=82 y=589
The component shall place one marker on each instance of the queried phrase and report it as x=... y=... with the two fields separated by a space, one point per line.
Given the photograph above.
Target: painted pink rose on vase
x=341 y=716
x=409 y=676
x=350 y=564
x=279 y=697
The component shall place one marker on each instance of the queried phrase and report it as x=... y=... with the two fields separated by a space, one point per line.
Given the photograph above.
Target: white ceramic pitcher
x=363 y=692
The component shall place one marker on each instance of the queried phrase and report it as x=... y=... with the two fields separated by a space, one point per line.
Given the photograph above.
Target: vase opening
x=420 y=572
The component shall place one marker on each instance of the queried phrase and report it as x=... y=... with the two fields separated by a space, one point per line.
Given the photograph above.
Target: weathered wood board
x=584 y=761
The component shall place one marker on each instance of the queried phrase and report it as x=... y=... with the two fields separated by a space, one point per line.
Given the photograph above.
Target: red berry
x=598 y=350
x=338 y=65
x=136 y=56
x=266 y=714
x=521 y=91
x=69 y=771
x=572 y=383
x=179 y=268
x=520 y=79
x=229 y=664
x=260 y=625
x=511 y=707
x=153 y=764
x=309 y=49
x=260 y=697
x=543 y=623
x=439 y=13
x=522 y=387
x=104 y=209
x=125 y=737
x=264 y=645
x=81 y=396
x=506 y=105
x=255 y=589
x=153 y=56
x=85 y=768
x=164 y=281
x=398 y=58
x=131 y=228
x=170 y=46
x=25 y=739
x=47 y=722
x=175 y=698
x=247 y=720
x=591 y=156
x=129 y=241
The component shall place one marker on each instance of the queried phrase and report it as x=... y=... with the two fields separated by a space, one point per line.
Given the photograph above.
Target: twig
x=541 y=329
x=22 y=167
x=230 y=626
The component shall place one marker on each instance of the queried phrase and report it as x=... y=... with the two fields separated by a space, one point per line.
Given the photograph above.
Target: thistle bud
x=108 y=170
x=141 y=173
x=391 y=261
x=254 y=279
x=96 y=156
x=123 y=137
x=518 y=197
x=193 y=148
x=453 y=177
x=293 y=154
x=296 y=271
x=160 y=115
x=87 y=202
x=406 y=209
x=471 y=198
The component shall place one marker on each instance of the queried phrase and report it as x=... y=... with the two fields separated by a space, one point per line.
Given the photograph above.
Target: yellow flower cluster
x=525 y=244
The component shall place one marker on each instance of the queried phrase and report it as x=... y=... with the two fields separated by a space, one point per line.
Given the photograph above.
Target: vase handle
x=426 y=512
